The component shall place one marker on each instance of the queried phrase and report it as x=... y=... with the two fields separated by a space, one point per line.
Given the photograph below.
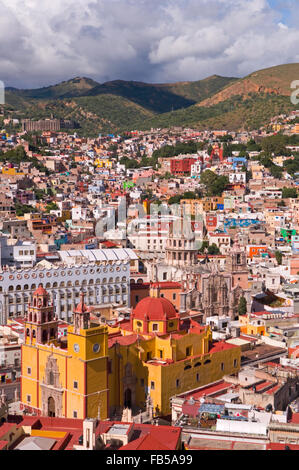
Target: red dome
x=155 y=309
x=40 y=291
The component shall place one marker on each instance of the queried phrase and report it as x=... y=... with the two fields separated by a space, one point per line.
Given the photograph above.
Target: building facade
x=62 y=379
x=104 y=276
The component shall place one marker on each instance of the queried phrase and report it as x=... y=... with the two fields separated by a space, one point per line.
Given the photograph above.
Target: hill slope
x=215 y=102
x=161 y=98
x=274 y=80
x=236 y=113
x=76 y=87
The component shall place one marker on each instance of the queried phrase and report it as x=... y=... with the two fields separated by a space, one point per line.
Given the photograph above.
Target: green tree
x=278 y=256
x=213 y=249
x=242 y=308
x=289 y=193
x=52 y=207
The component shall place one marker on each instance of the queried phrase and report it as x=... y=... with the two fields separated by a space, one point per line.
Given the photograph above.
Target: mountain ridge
x=126 y=105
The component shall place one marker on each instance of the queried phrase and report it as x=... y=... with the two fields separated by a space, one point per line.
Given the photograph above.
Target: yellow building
x=58 y=378
x=252 y=325
x=103 y=163
x=12 y=172
x=101 y=370
x=198 y=206
x=153 y=354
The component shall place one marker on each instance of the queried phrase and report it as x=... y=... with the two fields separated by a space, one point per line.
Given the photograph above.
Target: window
x=75 y=414
x=28 y=398
x=198 y=364
x=177 y=383
x=164 y=276
x=152 y=385
x=142 y=382
x=29 y=370
x=173 y=296
x=188 y=351
x=187 y=367
x=161 y=354
x=155 y=327
x=136 y=299
x=76 y=385
x=235 y=363
x=222 y=366
x=197 y=378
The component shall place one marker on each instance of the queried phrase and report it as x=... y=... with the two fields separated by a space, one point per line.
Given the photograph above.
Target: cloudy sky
x=45 y=41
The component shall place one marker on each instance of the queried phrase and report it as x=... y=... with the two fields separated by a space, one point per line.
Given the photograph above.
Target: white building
x=103 y=274
x=237 y=177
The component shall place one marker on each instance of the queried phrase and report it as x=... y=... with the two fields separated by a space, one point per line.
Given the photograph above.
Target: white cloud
x=46 y=41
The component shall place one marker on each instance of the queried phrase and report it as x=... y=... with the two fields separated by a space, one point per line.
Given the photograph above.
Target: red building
x=181 y=166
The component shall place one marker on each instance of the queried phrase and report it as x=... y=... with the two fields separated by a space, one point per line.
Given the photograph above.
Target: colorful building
x=99 y=370
x=156 y=354
x=59 y=378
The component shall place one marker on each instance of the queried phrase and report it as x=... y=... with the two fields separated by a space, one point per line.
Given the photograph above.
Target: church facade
x=63 y=379
x=99 y=370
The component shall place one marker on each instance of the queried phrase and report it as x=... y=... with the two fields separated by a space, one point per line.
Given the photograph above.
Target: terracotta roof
x=221 y=346
x=146 y=442
x=124 y=340
x=154 y=309
x=167 y=285
x=40 y=291
x=81 y=307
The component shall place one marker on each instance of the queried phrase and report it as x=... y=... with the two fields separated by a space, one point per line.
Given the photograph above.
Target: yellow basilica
x=99 y=370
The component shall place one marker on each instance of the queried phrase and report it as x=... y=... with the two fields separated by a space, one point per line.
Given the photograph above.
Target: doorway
x=128 y=398
x=51 y=407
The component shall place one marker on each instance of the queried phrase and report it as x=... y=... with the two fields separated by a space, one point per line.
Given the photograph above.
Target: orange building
x=169 y=290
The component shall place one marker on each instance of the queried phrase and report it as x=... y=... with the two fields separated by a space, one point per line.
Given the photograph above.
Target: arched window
x=18 y=287
x=55 y=284
x=187 y=367
x=51 y=378
x=198 y=364
x=207 y=361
